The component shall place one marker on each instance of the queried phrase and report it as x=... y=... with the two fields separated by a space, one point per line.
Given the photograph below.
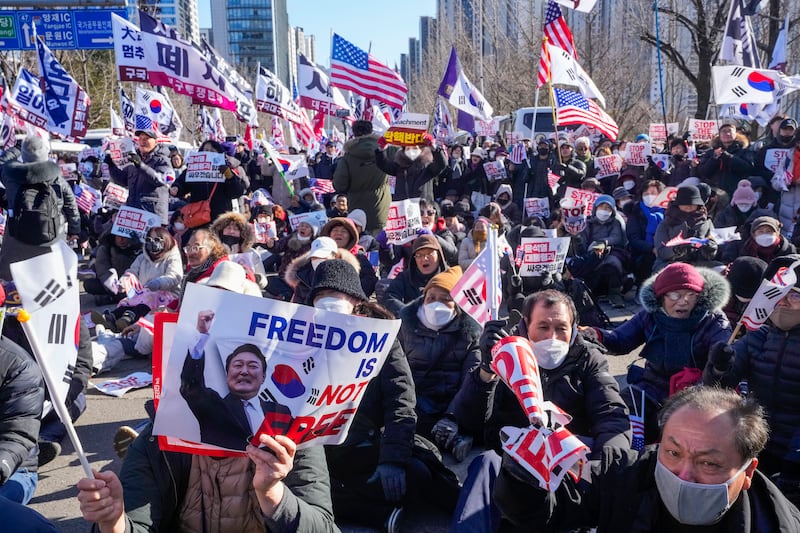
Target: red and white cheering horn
x=514 y=363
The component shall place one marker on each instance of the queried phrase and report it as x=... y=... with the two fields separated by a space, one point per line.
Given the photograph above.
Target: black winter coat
x=414 y=179
x=441 y=363
x=224 y=194
x=622 y=496
x=147 y=183
x=581 y=386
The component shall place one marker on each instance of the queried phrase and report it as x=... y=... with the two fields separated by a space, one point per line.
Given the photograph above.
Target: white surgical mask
x=629 y=185
x=550 y=352
x=180 y=226
x=744 y=208
x=758 y=195
x=303 y=239
x=649 y=199
x=334 y=304
x=413 y=153
x=438 y=314
x=603 y=215
x=766 y=239
x=693 y=504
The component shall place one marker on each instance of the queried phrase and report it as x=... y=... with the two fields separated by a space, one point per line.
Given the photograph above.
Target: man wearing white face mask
x=441 y=344
x=415 y=168
x=574 y=375
x=702 y=477
x=765 y=241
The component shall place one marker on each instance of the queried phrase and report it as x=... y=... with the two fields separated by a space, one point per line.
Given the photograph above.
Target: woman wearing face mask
x=474 y=242
x=414 y=167
x=769 y=360
x=510 y=210
x=378 y=469
x=450 y=179
x=743 y=203
x=158 y=270
x=686 y=216
x=644 y=217
x=601 y=249
x=289 y=248
x=234 y=232
x=441 y=344
x=680 y=321
x=765 y=241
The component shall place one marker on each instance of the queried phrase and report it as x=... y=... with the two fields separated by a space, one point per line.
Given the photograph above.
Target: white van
x=523 y=122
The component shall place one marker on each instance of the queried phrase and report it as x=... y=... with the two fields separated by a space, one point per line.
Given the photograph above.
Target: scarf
x=670 y=343
x=197 y=272
x=654 y=215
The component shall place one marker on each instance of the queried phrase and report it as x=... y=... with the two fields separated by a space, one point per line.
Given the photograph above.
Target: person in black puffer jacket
x=21 y=400
x=415 y=168
x=769 y=360
x=426 y=261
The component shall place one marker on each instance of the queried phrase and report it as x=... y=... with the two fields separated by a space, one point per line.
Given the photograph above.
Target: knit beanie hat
x=337 y=275
x=745 y=274
x=688 y=195
x=35 y=149
x=744 y=194
x=445 y=280
x=347 y=224
x=359 y=218
x=676 y=277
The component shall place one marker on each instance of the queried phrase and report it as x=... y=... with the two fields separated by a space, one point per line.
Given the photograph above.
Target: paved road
x=55 y=495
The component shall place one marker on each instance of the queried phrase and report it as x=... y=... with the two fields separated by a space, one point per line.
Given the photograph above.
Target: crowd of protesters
x=659 y=257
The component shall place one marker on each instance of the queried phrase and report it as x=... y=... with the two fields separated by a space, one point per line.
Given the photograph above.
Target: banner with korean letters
x=540 y=255
x=407 y=130
x=537 y=207
x=204 y=166
x=274 y=98
x=131 y=221
x=48 y=289
x=315 y=218
x=403 y=222
x=27 y=100
x=313 y=369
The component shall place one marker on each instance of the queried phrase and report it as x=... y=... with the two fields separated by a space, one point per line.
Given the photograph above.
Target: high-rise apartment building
x=249 y=32
x=300 y=43
x=180 y=14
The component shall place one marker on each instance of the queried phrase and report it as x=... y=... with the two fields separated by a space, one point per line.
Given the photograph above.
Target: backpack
x=36 y=214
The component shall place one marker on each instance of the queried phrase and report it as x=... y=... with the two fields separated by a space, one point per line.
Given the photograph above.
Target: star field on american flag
x=353 y=69
x=344 y=51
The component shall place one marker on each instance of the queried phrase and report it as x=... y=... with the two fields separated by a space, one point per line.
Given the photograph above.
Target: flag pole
x=55 y=395
x=555 y=117
x=494 y=273
x=660 y=69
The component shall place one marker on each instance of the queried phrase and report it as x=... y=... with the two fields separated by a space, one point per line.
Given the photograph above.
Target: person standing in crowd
x=357 y=175
x=326 y=164
x=532 y=181
x=146 y=175
x=680 y=321
x=785 y=181
x=339 y=207
x=474 y=175
x=414 y=168
x=701 y=477
x=571 y=170
x=450 y=179
x=783 y=138
x=728 y=160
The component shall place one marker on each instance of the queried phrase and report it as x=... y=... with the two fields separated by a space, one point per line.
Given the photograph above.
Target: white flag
x=736 y=84
x=117 y=125
x=739 y=44
x=584 y=6
x=564 y=69
x=461 y=94
x=274 y=98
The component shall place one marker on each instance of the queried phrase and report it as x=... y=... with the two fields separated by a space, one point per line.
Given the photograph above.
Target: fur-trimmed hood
x=296 y=274
x=245 y=229
x=715 y=294
x=740 y=139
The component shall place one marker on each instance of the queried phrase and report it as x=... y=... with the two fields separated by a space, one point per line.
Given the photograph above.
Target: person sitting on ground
x=440 y=342
x=344 y=232
x=114 y=255
x=686 y=217
x=744 y=275
x=426 y=261
x=474 y=243
x=701 y=477
x=680 y=321
x=762 y=239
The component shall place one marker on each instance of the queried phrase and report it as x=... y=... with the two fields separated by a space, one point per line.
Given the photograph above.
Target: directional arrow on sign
x=25 y=29
x=99 y=40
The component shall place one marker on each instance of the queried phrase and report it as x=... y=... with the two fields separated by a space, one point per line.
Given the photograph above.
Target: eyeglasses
x=194 y=248
x=150 y=240
x=793 y=297
x=689 y=296
x=425 y=255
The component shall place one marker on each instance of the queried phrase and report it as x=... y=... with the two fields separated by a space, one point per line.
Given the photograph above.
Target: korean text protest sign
x=540 y=255
x=118 y=387
x=131 y=221
x=659 y=132
x=119 y=149
x=407 y=130
x=636 y=154
x=115 y=195
x=403 y=222
x=495 y=170
x=665 y=197
x=204 y=166
x=313 y=369
x=537 y=207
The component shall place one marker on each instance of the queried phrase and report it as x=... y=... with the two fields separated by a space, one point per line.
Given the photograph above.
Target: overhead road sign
x=63 y=29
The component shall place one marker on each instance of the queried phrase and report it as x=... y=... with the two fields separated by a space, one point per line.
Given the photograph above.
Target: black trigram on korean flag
x=473 y=297
x=739 y=91
x=58 y=329
x=50 y=292
x=761 y=313
x=313 y=397
x=68 y=374
x=773 y=292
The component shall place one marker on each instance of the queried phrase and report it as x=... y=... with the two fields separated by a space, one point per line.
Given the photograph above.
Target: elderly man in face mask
x=769 y=360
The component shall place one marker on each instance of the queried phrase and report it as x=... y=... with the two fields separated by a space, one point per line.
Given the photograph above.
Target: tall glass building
x=180 y=14
x=249 y=32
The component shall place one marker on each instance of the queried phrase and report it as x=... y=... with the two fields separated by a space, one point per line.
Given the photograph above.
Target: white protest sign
x=487 y=128
x=581 y=197
x=479 y=200
x=665 y=197
x=318 y=366
x=607 y=165
x=315 y=218
x=541 y=255
x=403 y=222
x=774 y=157
x=495 y=170
x=537 y=207
x=636 y=154
x=204 y=166
x=118 y=387
x=574 y=216
x=115 y=195
x=67 y=169
x=119 y=150
x=408 y=130
x=723 y=235
x=263 y=232
x=659 y=133
x=131 y=221
x=703 y=130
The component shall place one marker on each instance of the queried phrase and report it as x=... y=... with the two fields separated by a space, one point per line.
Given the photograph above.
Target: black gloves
x=444 y=432
x=134 y=158
x=393 y=480
x=108 y=160
x=721 y=357
x=493 y=332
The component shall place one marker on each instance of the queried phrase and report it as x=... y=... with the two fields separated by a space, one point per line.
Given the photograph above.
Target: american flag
x=470 y=291
x=277 y=133
x=558 y=34
x=518 y=154
x=574 y=108
x=636 y=417
x=144 y=123
x=353 y=69
x=322 y=186
x=85 y=200
x=552 y=180
x=130 y=284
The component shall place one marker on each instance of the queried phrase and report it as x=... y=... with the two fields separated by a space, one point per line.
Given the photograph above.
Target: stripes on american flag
x=322 y=186
x=558 y=34
x=353 y=69
x=573 y=108
x=85 y=200
x=637 y=432
x=518 y=154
